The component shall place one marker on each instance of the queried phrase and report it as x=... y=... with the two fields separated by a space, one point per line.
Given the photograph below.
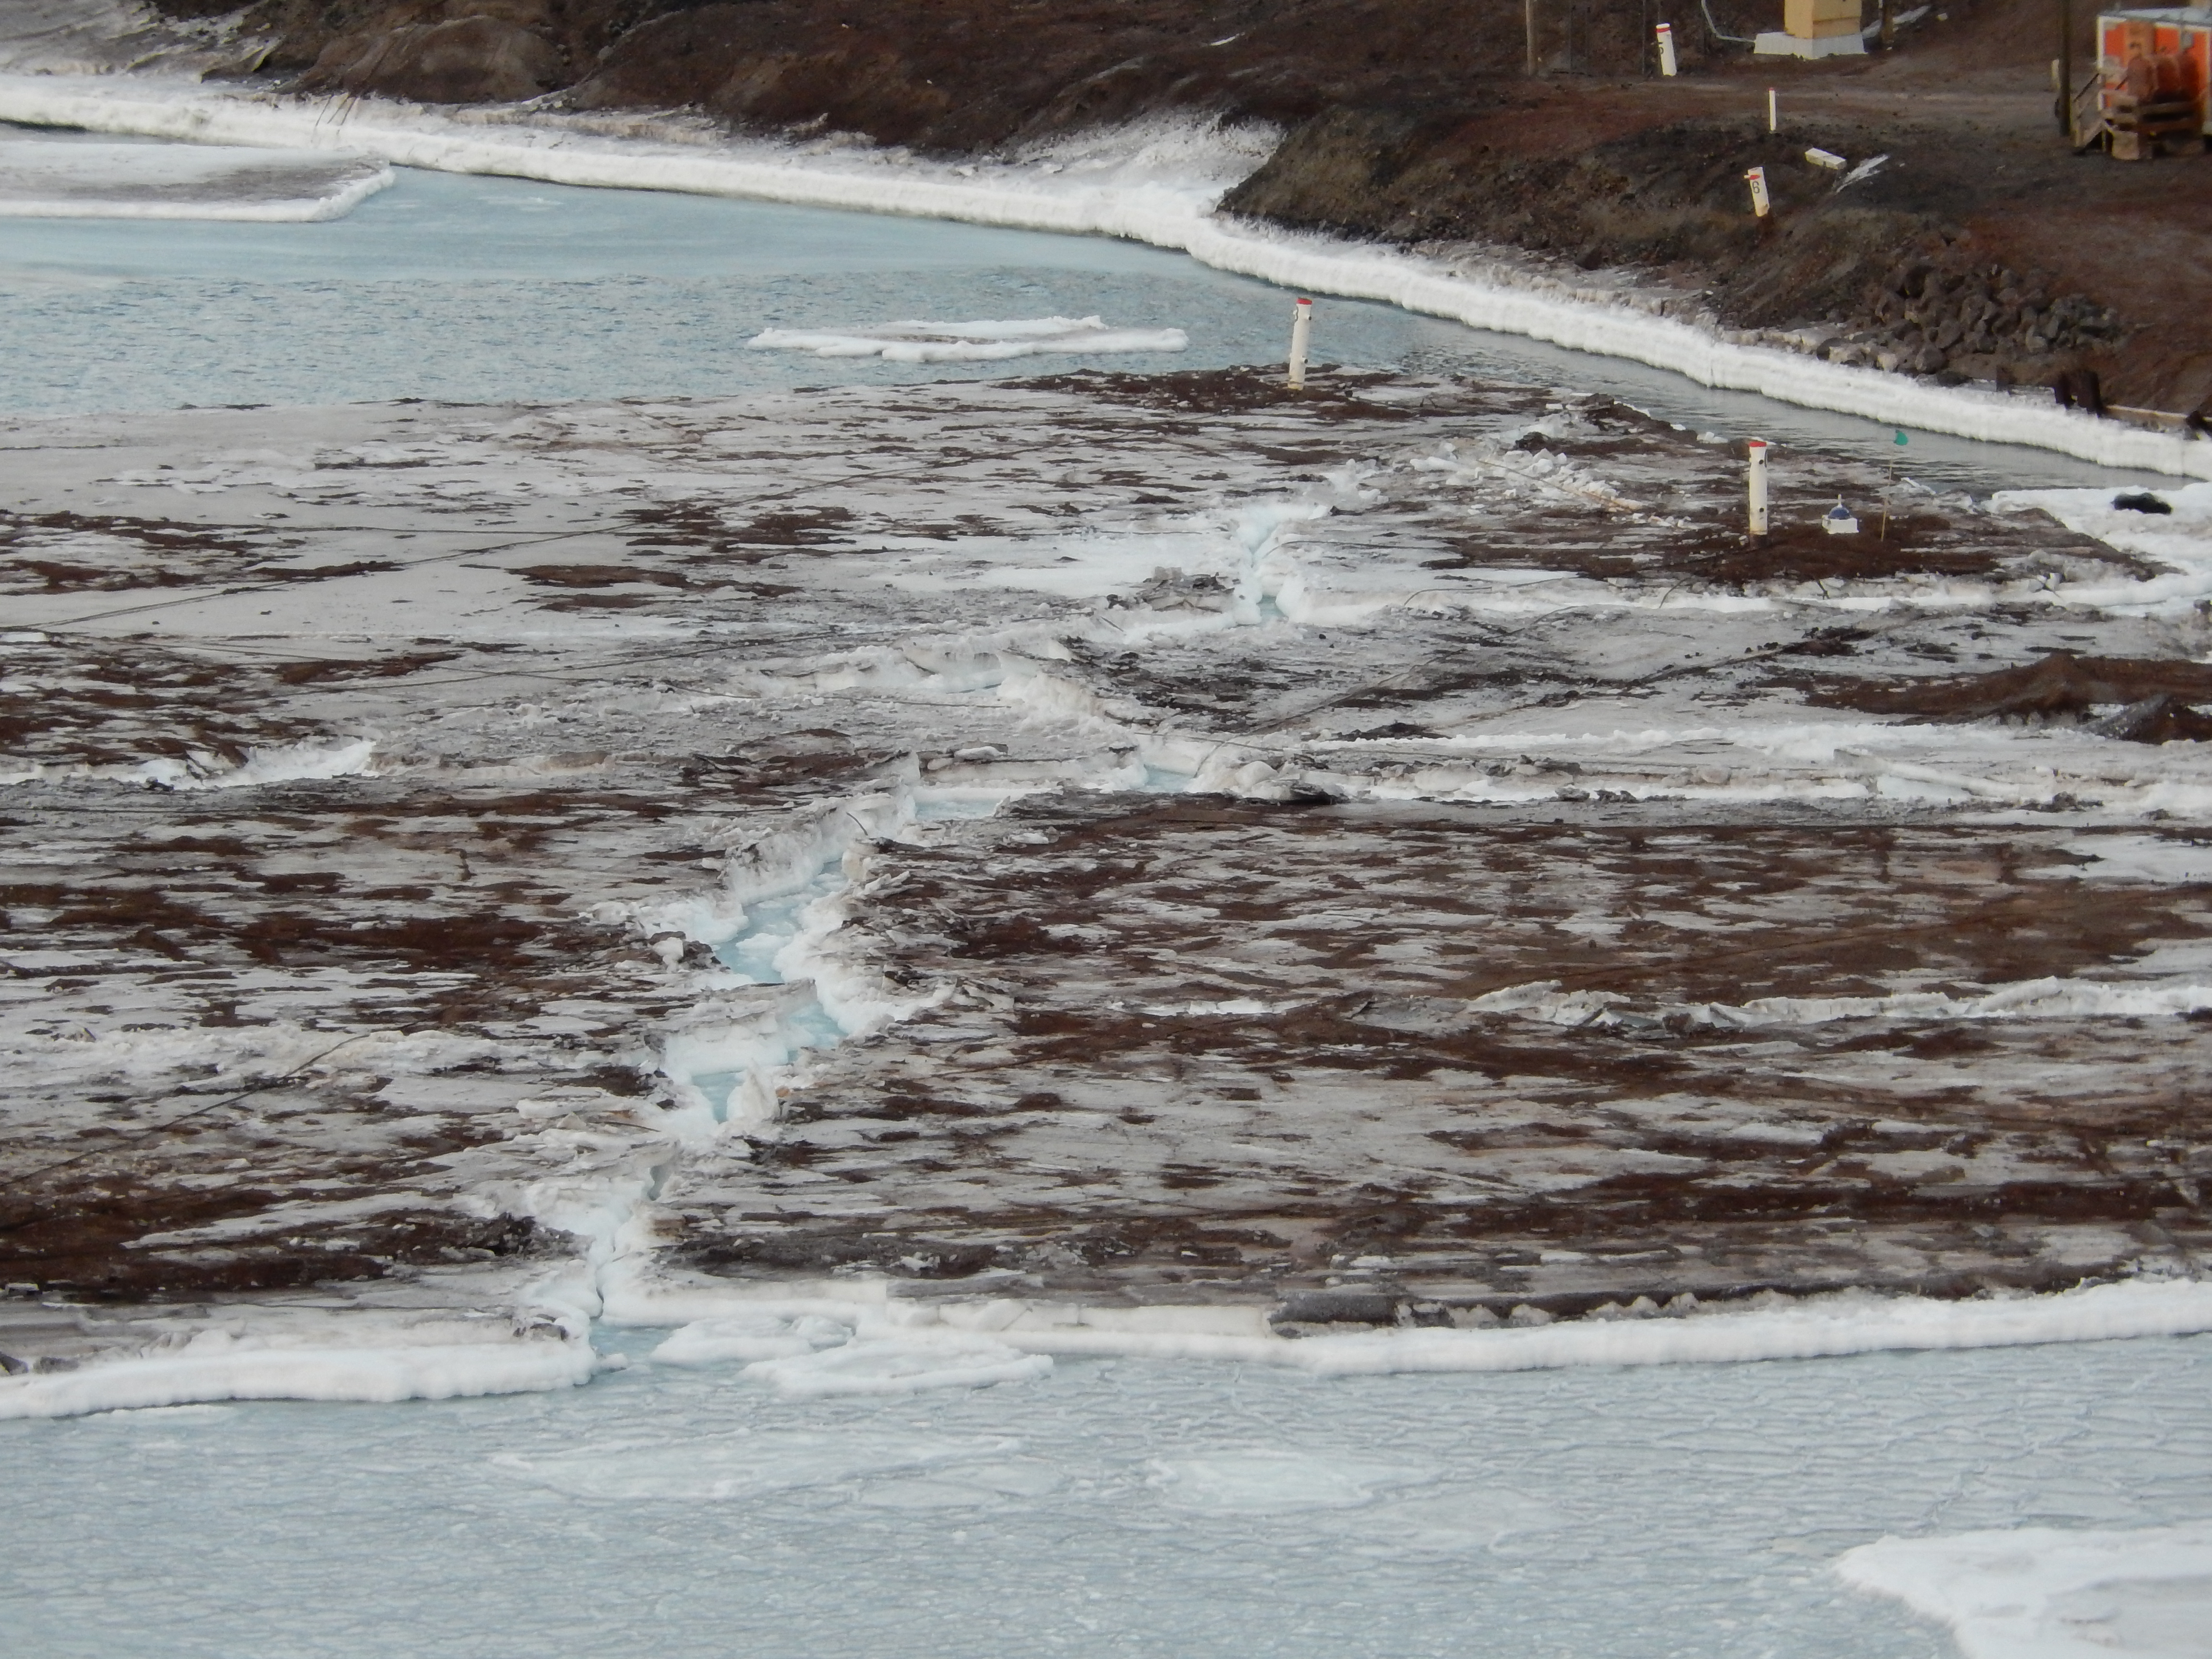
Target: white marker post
x=1756 y=453
x=1756 y=178
x=1665 y=32
x=1773 y=116
x=1301 y=334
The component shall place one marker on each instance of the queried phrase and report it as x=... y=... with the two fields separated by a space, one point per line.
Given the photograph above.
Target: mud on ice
x=1394 y=855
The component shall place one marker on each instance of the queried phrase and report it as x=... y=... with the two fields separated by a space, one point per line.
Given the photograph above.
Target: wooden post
x=2066 y=66
x=1756 y=453
x=1301 y=334
x=1888 y=25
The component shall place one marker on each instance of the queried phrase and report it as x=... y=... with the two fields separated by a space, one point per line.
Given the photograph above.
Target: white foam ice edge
x=354 y=1355
x=855 y=1337
x=45 y=180
x=984 y=341
x=1825 y=1327
x=1155 y=184
x=2041 y=1592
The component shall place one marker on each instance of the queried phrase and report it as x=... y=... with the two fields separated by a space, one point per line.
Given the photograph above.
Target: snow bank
x=47 y=180
x=890 y=1334
x=975 y=342
x=2036 y=1593
x=354 y=1355
x=1150 y=185
x=1816 y=1329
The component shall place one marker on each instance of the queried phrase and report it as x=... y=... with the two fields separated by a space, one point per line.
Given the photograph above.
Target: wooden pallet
x=2136 y=128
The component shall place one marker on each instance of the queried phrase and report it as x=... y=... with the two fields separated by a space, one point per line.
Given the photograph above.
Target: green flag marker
x=1902 y=440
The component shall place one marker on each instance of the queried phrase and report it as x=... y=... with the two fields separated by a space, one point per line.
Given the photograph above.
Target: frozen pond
x=474 y=289
x=1119 y=1507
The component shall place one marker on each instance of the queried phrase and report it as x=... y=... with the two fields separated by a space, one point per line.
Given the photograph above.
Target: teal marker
x=1902 y=440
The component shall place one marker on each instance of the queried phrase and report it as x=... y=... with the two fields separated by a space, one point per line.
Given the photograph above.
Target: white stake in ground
x=1755 y=452
x=1772 y=114
x=1666 y=33
x=1756 y=178
x=1301 y=334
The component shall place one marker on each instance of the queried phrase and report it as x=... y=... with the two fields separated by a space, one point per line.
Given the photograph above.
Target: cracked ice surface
x=1387 y=856
x=1132 y=1506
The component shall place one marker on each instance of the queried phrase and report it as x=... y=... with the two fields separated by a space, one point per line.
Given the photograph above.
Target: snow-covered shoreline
x=1156 y=185
x=860 y=1337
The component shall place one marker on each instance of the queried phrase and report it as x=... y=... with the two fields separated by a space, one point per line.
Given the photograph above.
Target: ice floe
x=890 y=1365
x=731 y=1468
x=47 y=180
x=973 y=342
x=1268 y=1481
x=2041 y=1592
x=356 y=1355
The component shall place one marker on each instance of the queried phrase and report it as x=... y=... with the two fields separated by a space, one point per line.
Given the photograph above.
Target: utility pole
x=2066 y=66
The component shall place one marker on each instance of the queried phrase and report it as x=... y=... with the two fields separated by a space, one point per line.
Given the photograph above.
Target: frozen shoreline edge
x=953 y=1329
x=1170 y=212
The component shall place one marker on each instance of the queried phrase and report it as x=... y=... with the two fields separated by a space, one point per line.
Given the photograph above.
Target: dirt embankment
x=1979 y=246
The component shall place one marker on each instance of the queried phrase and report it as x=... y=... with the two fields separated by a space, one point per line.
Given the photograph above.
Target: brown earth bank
x=1981 y=247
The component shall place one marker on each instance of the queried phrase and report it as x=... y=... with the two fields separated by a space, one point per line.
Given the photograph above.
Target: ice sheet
x=2040 y=1593
x=1112 y=1508
x=46 y=180
x=1156 y=183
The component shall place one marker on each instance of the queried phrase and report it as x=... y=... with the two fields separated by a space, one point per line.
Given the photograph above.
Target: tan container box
x=1821 y=19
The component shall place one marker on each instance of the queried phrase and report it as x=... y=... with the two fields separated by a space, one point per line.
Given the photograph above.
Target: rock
x=2155 y=720
x=467 y=60
x=1337 y=1308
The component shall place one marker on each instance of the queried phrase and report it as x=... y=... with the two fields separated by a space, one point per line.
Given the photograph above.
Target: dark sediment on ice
x=2152 y=700
x=1244 y=1049
x=1687 y=1009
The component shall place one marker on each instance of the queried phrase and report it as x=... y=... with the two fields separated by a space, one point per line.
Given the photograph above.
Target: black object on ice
x=2141 y=501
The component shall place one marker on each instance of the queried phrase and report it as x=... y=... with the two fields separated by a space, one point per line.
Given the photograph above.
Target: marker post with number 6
x=1760 y=202
x=1666 y=37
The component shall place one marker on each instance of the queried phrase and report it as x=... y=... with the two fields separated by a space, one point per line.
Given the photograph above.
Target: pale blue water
x=478 y=289
x=1595 y=1514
